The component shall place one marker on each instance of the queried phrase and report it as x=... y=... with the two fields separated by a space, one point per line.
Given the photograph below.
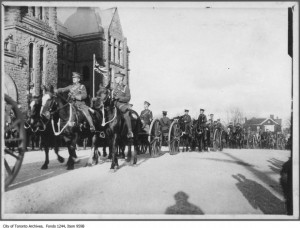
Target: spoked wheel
x=221 y=140
x=155 y=138
x=15 y=140
x=174 y=137
x=216 y=140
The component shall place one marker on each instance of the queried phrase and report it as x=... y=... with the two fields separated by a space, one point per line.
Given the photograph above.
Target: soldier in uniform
x=187 y=122
x=146 y=116
x=121 y=94
x=202 y=124
x=165 y=122
x=202 y=120
x=77 y=92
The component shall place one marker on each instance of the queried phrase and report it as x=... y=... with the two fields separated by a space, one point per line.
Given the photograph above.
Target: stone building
x=40 y=50
x=86 y=32
x=30 y=51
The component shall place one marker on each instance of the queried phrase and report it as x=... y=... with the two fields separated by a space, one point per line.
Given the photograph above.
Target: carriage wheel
x=174 y=137
x=216 y=140
x=13 y=159
x=155 y=138
x=221 y=140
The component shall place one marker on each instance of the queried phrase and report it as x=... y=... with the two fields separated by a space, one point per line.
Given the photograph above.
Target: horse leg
x=45 y=165
x=114 y=160
x=93 y=151
x=56 y=149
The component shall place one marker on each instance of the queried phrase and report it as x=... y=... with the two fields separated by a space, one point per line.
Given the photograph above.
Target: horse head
x=49 y=105
x=104 y=98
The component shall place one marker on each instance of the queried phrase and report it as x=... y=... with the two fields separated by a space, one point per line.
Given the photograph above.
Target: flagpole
x=93 y=75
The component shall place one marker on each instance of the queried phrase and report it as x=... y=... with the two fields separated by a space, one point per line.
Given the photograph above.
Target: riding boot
x=128 y=123
x=89 y=118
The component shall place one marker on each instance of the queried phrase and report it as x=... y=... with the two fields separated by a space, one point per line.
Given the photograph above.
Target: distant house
x=272 y=124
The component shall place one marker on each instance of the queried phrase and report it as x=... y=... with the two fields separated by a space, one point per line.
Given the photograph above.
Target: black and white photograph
x=149 y=111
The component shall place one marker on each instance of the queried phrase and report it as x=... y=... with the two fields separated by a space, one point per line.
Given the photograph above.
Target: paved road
x=232 y=182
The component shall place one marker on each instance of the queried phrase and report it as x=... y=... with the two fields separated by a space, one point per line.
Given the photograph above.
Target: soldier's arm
x=126 y=98
x=151 y=116
x=83 y=94
x=62 y=90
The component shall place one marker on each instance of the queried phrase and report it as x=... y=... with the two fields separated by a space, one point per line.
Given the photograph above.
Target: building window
x=31 y=77
x=33 y=11
x=41 y=12
x=42 y=78
x=112 y=50
x=85 y=73
x=121 y=53
x=116 y=51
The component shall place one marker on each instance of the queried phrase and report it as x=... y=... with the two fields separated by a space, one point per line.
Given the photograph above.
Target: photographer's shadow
x=182 y=206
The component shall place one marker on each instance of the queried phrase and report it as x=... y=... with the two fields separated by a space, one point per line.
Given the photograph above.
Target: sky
x=186 y=56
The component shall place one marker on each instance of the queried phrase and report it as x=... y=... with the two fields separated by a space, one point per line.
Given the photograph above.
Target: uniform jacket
x=202 y=120
x=146 y=116
x=165 y=123
x=77 y=90
x=187 y=119
x=122 y=95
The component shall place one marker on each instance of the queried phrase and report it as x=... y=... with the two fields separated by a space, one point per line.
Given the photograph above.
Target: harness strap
x=103 y=120
x=56 y=133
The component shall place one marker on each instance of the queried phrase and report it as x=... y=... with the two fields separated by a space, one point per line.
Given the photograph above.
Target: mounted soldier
x=77 y=93
x=187 y=122
x=121 y=95
x=146 y=116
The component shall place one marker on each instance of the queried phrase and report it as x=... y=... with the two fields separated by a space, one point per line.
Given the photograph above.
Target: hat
x=238 y=124
x=186 y=110
x=201 y=109
x=164 y=112
x=147 y=103
x=76 y=75
x=218 y=119
x=119 y=74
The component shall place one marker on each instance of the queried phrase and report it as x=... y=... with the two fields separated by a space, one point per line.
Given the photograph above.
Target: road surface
x=231 y=182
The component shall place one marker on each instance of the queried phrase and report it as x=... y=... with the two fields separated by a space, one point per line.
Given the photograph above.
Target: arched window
x=85 y=73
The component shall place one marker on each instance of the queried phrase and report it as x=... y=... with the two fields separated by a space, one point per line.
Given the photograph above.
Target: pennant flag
x=99 y=69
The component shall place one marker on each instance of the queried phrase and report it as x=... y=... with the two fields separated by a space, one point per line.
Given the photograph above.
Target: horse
x=63 y=113
x=186 y=136
x=116 y=129
x=39 y=126
x=238 y=138
x=201 y=136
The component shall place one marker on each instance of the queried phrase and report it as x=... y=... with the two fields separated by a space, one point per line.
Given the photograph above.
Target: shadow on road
x=276 y=165
x=259 y=197
x=260 y=175
x=182 y=206
x=229 y=161
x=31 y=172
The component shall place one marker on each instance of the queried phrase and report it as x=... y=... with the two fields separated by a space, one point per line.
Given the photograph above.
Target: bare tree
x=235 y=115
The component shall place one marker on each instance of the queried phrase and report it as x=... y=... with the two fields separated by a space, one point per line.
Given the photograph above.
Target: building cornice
x=55 y=41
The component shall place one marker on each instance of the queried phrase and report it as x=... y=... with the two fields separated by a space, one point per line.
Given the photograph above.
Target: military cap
x=201 y=109
x=119 y=74
x=76 y=75
x=230 y=123
x=186 y=110
x=218 y=120
x=147 y=103
x=238 y=124
x=164 y=112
